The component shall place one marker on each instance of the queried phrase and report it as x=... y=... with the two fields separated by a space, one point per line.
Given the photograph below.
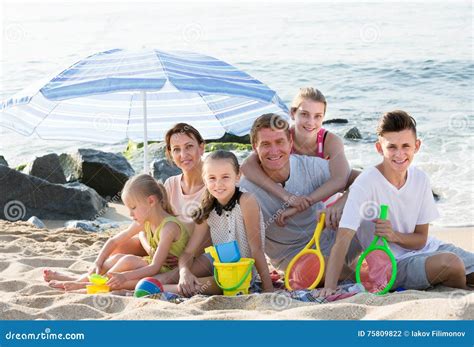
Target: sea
x=366 y=57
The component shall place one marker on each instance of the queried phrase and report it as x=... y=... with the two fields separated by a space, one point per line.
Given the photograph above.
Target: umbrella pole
x=145 y=135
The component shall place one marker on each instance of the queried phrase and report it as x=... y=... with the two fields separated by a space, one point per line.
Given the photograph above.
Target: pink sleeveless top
x=320 y=137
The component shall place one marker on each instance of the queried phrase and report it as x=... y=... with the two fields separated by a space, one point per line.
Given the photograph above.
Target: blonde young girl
x=226 y=214
x=159 y=231
x=309 y=138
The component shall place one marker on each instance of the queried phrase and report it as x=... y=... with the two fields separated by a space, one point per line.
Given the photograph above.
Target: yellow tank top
x=177 y=247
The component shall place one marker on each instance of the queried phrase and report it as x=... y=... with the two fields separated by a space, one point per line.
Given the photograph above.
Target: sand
x=26 y=250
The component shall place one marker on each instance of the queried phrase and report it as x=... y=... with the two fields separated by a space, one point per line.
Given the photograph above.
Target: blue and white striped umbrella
x=138 y=95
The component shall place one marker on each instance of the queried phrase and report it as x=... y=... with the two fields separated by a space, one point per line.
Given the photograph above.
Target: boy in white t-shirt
x=422 y=261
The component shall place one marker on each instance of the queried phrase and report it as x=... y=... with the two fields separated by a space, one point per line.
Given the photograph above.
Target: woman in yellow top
x=163 y=235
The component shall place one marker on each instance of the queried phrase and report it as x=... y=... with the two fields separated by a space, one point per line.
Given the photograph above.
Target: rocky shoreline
x=77 y=187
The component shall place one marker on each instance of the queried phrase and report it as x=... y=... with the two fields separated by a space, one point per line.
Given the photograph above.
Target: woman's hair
x=308 y=93
x=181 y=129
x=396 y=121
x=143 y=186
x=207 y=202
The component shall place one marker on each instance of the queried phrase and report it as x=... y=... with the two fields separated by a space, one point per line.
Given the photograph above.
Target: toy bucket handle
x=244 y=277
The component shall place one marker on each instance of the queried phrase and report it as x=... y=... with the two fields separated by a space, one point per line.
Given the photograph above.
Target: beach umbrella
x=138 y=95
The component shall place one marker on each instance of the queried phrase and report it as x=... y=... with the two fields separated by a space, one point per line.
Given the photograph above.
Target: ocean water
x=367 y=58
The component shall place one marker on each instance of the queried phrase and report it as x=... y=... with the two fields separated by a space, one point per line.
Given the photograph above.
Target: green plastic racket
x=372 y=251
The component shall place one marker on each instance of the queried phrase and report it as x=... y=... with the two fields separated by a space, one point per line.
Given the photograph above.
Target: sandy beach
x=26 y=250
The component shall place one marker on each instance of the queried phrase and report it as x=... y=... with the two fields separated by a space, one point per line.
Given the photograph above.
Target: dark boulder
x=48 y=168
x=353 y=134
x=336 y=121
x=232 y=138
x=162 y=169
x=105 y=172
x=23 y=196
x=3 y=161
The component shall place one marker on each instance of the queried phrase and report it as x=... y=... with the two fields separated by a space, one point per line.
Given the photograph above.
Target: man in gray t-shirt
x=300 y=175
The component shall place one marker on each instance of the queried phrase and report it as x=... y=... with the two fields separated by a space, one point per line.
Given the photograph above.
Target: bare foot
x=75 y=285
x=49 y=275
x=67 y=285
x=56 y=284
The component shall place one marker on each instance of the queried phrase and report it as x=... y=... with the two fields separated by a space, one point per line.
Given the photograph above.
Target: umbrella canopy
x=102 y=98
x=138 y=95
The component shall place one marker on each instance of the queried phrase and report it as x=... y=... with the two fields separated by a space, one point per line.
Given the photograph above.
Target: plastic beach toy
x=377 y=268
x=306 y=269
x=98 y=284
x=225 y=252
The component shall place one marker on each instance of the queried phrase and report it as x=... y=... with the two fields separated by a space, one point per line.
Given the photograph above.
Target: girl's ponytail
x=165 y=203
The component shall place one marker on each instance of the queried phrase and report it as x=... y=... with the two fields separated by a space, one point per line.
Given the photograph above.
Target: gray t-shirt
x=282 y=244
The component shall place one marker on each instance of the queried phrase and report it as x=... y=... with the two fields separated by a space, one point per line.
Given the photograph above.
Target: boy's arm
x=336 y=260
x=415 y=240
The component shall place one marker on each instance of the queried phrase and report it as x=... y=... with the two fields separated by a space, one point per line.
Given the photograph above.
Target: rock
x=23 y=196
x=3 y=161
x=336 y=121
x=97 y=225
x=436 y=196
x=81 y=224
x=37 y=222
x=48 y=168
x=162 y=169
x=104 y=172
x=232 y=138
x=353 y=134
x=134 y=153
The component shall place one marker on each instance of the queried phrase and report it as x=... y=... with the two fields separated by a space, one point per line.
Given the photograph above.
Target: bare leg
x=201 y=268
x=80 y=282
x=208 y=287
x=132 y=246
x=127 y=263
x=446 y=269
x=49 y=275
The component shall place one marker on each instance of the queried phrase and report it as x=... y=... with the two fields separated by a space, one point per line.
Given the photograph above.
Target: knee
x=451 y=264
x=128 y=259
x=114 y=258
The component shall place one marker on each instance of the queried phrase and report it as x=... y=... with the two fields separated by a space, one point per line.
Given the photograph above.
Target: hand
x=188 y=284
x=333 y=214
x=301 y=203
x=95 y=269
x=281 y=219
x=324 y=292
x=383 y=228
x=116 y=280
x=171 y=261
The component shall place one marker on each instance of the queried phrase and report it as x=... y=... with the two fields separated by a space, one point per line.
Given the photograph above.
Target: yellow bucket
x=234 y=278
x=97 y=288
